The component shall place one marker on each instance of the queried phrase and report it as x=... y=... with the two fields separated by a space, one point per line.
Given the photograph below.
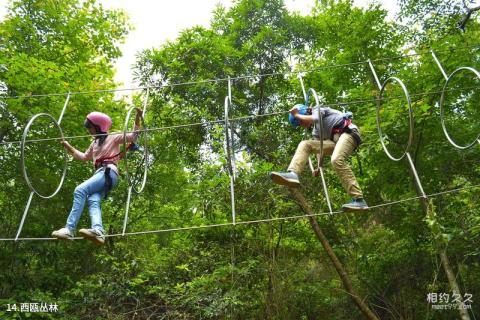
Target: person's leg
x=94 y=209
x=93 y=185
x=343 y=150
x=304 y=150
x=94 y=203
x=82 y=191
x=96 y=232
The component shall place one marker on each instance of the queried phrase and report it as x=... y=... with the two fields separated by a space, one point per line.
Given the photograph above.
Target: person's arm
x=82 y=156
x=131 y=137
x=294 y=112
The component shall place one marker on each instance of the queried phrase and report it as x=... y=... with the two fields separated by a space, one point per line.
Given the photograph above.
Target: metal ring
x=145 y=152
x=410 y=116
x=22 y=148
x=442 y=112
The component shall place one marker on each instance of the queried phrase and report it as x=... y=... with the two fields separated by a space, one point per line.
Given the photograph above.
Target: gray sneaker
x=355 y=205
x=63 y=233
x=289 y=179
x=93 y=235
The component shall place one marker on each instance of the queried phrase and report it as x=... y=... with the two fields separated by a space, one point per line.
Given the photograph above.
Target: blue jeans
x=91 y=190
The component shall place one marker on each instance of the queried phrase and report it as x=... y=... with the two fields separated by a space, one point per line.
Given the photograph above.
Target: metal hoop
x=22 y=148
x=442 y=111
x=410 y=116
x=145 y=152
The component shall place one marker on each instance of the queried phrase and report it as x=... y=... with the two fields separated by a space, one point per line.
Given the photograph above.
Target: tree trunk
x=302 y=202
x=452 y=281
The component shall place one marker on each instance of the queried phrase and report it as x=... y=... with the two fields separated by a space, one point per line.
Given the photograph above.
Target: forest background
x=272 y=270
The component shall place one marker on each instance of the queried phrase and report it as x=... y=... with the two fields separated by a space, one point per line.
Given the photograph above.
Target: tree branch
x=463 y=22
x=302 y=202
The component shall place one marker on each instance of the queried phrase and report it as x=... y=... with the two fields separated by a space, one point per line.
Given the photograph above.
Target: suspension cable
x=247 y=76
x=248 y=222
x=211 y=122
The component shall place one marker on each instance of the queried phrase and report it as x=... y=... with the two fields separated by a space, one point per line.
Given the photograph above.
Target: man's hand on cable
x=294 y=111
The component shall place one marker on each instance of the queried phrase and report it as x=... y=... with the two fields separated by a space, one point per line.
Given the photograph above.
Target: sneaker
x=355 y=205
x=289 y=179
x=93 y=235
x=63 y=233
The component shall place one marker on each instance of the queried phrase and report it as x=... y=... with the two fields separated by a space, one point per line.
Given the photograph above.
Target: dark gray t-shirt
x=331 y=118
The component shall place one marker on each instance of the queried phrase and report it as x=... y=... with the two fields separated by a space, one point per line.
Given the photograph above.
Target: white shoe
x=93 y=235
x=63 y=233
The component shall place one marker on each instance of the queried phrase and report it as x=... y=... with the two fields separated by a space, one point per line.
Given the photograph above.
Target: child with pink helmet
x=105 y=153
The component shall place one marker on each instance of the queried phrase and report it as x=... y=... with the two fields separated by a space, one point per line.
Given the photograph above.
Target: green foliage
x=273 y=270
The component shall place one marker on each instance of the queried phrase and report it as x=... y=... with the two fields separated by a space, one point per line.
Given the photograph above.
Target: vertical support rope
x=320 y=126
x=415 y=177
x=377 y=82
x=232 y=149
x=232 y=193
x=131 y=186
x=229 y=90
x=64 y=108
x=300 y=77
x=325 y=189
x=439 y=65
x=127 y=208
x=320 y=155
x=305 y=97
x=233 y=238
x=20 y=227
x=229 y=150
x=145 y=103
x=231 y=163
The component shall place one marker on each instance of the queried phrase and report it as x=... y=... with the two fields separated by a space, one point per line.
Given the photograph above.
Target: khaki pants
x=340 y=150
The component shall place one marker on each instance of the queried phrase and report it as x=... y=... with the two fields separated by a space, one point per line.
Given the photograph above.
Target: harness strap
x=108 y=183
x=103 y=162
x=342 y=126
x=99 y=162
x=348 y=127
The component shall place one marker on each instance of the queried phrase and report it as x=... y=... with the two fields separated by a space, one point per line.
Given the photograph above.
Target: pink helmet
x=101 y=120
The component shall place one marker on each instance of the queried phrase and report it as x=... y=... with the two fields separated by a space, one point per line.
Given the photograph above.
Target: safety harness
x=348 y=127
x=340 y=128
x=105 y=161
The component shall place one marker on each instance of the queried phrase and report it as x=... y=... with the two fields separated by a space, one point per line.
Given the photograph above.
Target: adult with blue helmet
x=302 y=110
x=340 y=138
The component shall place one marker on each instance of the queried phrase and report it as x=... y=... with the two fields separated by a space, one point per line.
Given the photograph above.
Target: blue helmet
x=302 y=109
